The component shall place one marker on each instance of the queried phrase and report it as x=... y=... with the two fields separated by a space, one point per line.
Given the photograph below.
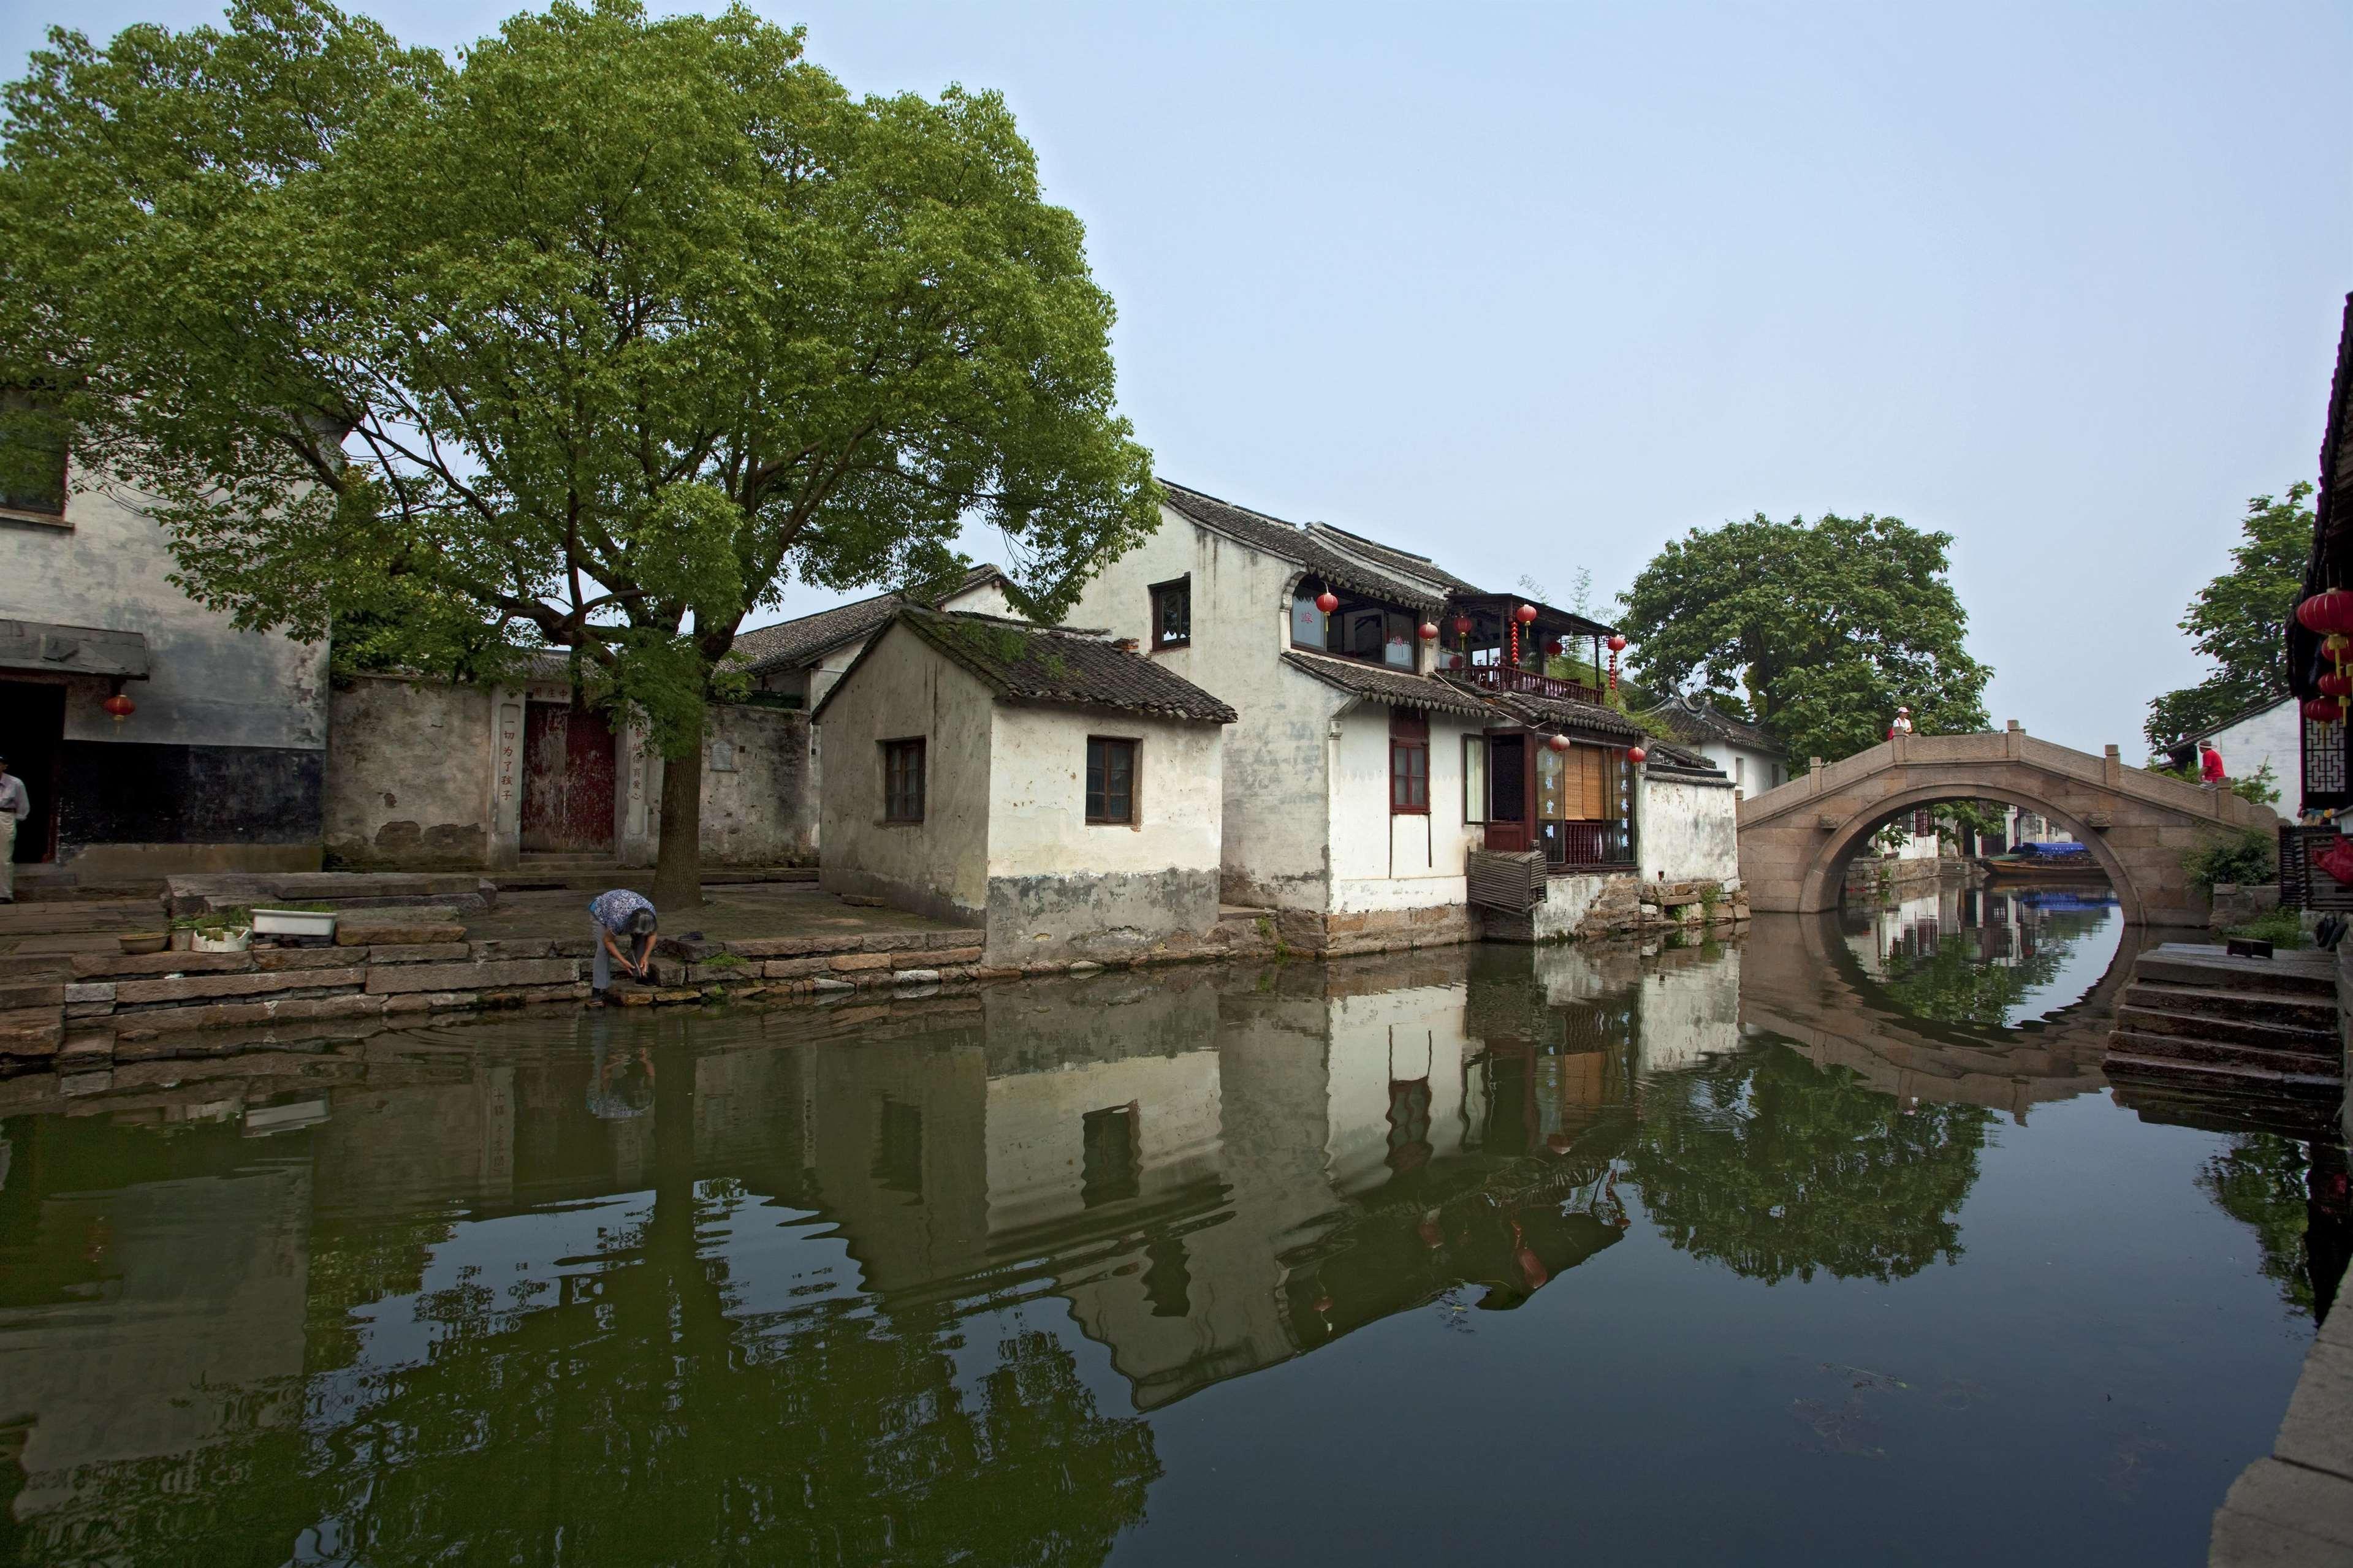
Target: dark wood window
x=1924 y=822
x=1110 y=1163
x=1111 y=780
x=32 y=457
x=1172 y=613
x=903 y=781
x=1409 y=762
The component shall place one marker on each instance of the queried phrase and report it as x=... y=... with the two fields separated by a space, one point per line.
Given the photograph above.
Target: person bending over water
x=618 y=917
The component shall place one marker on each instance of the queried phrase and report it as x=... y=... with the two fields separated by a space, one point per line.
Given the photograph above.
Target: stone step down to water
x=2199 y=1024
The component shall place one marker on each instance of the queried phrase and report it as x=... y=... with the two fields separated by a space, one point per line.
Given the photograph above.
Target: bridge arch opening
x=1825 y=877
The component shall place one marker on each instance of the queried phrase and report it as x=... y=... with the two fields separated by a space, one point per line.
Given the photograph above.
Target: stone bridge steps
x=2197 y=1025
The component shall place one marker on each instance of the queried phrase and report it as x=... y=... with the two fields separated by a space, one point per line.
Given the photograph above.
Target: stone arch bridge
x=1795 y=840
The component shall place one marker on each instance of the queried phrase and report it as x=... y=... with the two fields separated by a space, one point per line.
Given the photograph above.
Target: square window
x=1172 y=613
x=1110 y=781
x=903 y=781
x=32 y=457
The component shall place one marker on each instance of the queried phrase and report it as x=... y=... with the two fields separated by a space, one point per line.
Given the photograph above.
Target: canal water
x=1827 y=1246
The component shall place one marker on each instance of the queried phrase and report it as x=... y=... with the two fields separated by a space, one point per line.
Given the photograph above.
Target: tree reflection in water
x=1778 y=1168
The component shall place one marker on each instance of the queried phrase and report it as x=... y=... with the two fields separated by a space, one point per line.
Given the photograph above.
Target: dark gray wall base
x=1103 y=916
x=128 y=793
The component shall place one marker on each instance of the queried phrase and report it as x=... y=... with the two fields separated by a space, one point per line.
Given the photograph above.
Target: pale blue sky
x=1537 y=287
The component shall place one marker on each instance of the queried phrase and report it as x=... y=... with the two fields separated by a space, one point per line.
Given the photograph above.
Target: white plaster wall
x=1039 y=826
x=1750 y=771
x=1567 y=900
x=1037 y=1130
x=1382 y=861
x=209 y=684
x=1687 y=832
x=905 y=691
x=1274 y=822
x=1690 y=1012
x=2272 y=736
x=1378 y=1038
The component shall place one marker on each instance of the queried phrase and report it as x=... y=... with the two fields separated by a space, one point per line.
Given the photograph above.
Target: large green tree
x=2240 y=619
x=1816 y=630
x=588 y=340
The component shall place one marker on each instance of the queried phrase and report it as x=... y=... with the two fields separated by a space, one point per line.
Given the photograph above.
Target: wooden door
x=567 y=778
x=1507 y=793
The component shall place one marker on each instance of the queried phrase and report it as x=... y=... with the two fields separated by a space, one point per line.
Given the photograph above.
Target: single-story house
x=1746 y=754
x=1055 y=790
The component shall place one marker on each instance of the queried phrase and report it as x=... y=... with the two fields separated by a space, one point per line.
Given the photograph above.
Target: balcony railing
x=1587 y=843
x=1504 y=677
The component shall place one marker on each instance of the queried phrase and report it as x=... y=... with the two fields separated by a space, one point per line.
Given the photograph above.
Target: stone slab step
x=2168 y=1106
x=2184 y=963
x=2280 y=1007
x=2148 y=1020
x=2222 y=1081
x=2130 y=1038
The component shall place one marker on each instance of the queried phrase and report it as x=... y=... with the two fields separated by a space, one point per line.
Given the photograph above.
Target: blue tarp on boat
x=2051 y=851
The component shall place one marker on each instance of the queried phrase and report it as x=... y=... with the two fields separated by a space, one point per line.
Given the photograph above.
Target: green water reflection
x=1204 y=1262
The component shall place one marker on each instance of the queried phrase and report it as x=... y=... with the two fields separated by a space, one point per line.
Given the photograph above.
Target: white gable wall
x=2272 y=736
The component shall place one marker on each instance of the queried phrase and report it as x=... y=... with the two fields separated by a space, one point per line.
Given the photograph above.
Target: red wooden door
x=567 y=778
x=1507 y=793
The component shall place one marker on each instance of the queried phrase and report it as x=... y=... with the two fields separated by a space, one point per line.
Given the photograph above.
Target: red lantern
x=1635 y=754
x=1557 y=743
x=119 y=706
x=1430 y=631
x=1453 y=661
x=1328 y=600
x=2327 y=709
x=1462 y=626
x=2336 y=685
x=2326 y=612
x=1617 y=642
x=1527 y=613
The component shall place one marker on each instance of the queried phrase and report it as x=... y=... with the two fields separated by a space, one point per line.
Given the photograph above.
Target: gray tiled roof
x=1672 y=760
x=1400 y=561
x=1397 y=688
x=1023 y=663
x=798 y=641
x=1698 y=721
x=1560 y=713
x=1425 y=589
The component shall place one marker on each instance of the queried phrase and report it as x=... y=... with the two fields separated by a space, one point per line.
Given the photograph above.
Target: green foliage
x=2240 y=619
x=2260 y=1180
x=2262 y=786
x=1778 y=1168
x=1817 y=631
x=2247 y=858
x=591 y=337
x=2281 y=928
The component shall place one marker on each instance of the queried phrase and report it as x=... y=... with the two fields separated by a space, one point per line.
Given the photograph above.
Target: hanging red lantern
x=2336 y=684
x=1454 y=661
x=1617 y=642
x=1524 y=614
x=1462 y=626
x=1557 y=743
x=1636 y=756
x=1430 y=631
x=1328 y=600
x=2326 y=710
x=2329 y=611
x=119 y=706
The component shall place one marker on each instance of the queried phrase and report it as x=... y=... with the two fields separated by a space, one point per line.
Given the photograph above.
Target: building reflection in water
x=828 y=1287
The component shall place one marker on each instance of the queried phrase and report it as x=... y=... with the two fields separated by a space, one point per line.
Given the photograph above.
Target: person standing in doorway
x=617 y=917
x=14 y=808
x=2210 y=767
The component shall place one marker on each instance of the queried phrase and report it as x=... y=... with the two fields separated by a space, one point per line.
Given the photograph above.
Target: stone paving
x=2296 y=1506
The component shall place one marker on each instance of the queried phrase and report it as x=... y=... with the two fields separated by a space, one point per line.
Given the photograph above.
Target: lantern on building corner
x=1557 y=743
x=119 y=707
x=2328 y=612
x=2324 y=710
x=1617 y=647
x=1520 y=617
x=1327 y=602
x=2336 y=684
x=1430 y=631
x=1636 y=756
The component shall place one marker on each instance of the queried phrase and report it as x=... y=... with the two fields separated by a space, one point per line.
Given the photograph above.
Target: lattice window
x=2323 y=762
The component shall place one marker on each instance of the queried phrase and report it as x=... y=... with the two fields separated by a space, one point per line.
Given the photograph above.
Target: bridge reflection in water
x=831 y=1286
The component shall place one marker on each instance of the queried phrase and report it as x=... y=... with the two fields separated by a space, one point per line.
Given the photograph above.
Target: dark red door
x=567 y=778
x=1507 y=793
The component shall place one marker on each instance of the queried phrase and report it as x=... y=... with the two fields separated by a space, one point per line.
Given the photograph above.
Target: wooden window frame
x=894 y=798
x=1474 y=801
x=18 y=511
x=1174 y=585
x=1409 y=739
x=1355 y=605
x=1087 y=794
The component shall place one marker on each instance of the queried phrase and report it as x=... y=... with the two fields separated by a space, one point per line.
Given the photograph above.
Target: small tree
x=2240 y=620
x=588 y=340
x=1818 y=631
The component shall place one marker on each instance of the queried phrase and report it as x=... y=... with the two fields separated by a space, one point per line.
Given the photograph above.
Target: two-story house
x=1394 y=716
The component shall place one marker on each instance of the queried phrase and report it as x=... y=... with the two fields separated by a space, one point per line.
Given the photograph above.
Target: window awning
x=72 y=650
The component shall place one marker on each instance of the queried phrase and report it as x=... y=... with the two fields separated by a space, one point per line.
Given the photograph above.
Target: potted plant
x=296 y=919
x=223 y=930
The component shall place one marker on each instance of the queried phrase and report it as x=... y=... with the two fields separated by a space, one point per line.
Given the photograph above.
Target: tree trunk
x=677 y=870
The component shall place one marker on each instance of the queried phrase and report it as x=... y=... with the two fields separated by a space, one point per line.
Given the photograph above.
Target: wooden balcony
x=1500 y=677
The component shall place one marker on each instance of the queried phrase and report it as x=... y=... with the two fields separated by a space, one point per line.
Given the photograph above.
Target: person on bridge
x=1902 y=725
x=2210 y=767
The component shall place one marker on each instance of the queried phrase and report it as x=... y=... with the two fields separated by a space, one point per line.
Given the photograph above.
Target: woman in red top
x=2209 y=765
